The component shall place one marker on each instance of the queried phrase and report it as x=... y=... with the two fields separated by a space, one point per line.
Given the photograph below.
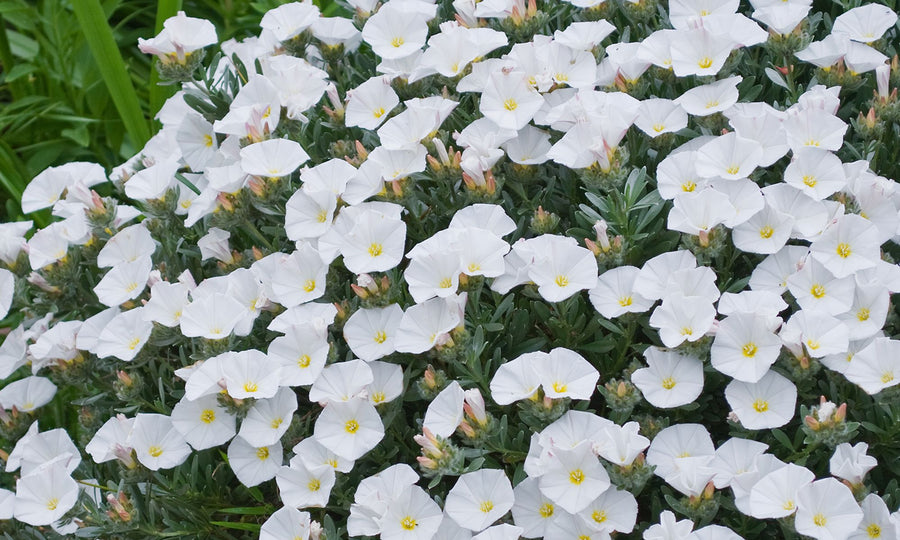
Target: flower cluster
x=474 y=269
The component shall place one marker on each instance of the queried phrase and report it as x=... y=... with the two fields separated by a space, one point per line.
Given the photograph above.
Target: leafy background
x=74 y=85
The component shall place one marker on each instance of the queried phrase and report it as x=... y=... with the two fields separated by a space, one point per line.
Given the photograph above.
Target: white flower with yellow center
x=479 y=498
x=349 y=428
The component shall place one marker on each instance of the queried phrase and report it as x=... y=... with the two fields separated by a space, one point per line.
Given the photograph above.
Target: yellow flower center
x=321 y=216
x=207 y=140
x=510 y=104
x=378 y=113
x=820 y=519
x=380 y=336
x=276 y=422
x=397 y=41
x=760 y=405
x=474 y=267
x=546 y=510
x=887 y=377
x=250 y=386
x=599 y=516
x=812 y=344
x=576 y=476
x=625 y=301
x=314 y=485
x=766 y=232
x=52 y=504
x=351 y=426
x=734 y=169
x=789 y=505
x=843 y=250
x=559 y=387
x=817 y=290
x=486 y=506
x=659 y=127
x=711 y=104
x=303 y=361
x=208 y=416
x=446 y=283
x=309 y=285
x=262 y=453
x=375 y=249
x=689 y=186
x=863 y=314
x=687 y=331
x=155 y=451
x=705 y=62
x=408 y=523
x=749 y=350
x=378 y=397
x=812 y=142
x=809 y=180
x=873 y=530
x=132 y=345
x=668 y=383
x=131 y=287
x=561 y=77
x=561 y=281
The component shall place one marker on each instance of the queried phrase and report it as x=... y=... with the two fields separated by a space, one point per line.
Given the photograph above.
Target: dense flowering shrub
x=490 y=270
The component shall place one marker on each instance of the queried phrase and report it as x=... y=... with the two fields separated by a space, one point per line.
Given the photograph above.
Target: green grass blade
x=106 y=53
x=13 y=182
x=159 y=94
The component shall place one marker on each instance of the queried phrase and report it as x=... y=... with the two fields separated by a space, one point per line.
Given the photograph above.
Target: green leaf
x=237 y=525
x=99 y=36
x=248 y=510
x=18 y=71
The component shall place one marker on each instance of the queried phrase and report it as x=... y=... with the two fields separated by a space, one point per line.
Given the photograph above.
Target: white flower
x=851 y=462
x=671 y=379
x=156 y=442
x=350 y=428
x=826 y=510
x=479 y=498
x=45 y=495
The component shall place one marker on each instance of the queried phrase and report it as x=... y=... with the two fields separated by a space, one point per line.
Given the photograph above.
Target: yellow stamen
x=817 y=290
x=766 y=232
x=262 y=453
x=510 y=104
x=561 y=281
x=408 y=523
x=546 y=510
x=155 y=451
x=208 y=416
x=250 y=386
x=351 y=426
x=749 y=350
x=668 y=383
x=486 y=506
x=309 y=285
x=576 y=476
x=843 y=250
x=760 y=405
x=375 y=249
